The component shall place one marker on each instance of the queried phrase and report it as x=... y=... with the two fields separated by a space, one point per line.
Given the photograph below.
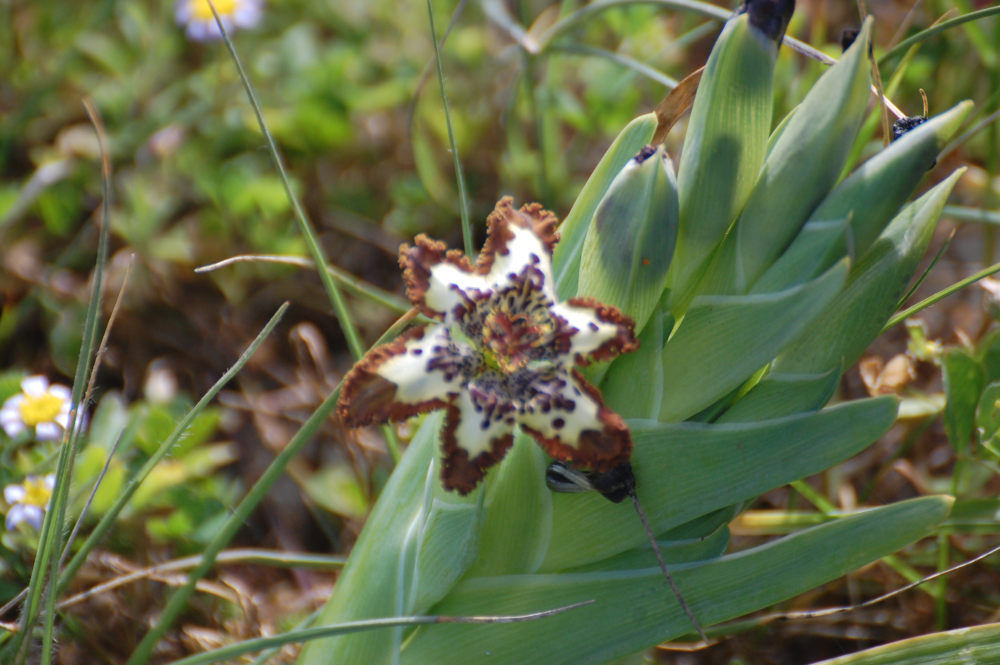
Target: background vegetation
x=349 y=93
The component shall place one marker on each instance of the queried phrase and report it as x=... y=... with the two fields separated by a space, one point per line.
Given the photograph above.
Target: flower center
x=516 y=327
x=41 y=408
x=201 y=10
x=36 y=492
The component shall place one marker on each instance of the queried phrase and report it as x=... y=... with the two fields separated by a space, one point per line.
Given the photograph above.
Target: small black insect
x=615 y=485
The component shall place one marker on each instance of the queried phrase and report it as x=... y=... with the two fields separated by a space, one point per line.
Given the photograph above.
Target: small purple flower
x=28 y=501
x=40 y=406
x=200 y=25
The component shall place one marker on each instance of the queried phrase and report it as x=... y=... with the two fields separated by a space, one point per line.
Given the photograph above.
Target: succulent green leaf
x=976 y=644
x=780 y=395
x=722 y=340
x=724 y=148
x=874 y=192
x=634 y=609
x=416 y=544
x=518 y=507
x=710 y=546
x=963 y=384
x=628 y=247
x=798 y=262
x=685 y=470
x=802 y=164
x=877 y=282
x=573 y=230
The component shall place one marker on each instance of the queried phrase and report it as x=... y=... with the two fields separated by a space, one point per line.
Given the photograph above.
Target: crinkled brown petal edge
x=367 y=398
x=598 y=449
x=531 y=216
x=418 y=259
x=624 y=342
x=459 y=472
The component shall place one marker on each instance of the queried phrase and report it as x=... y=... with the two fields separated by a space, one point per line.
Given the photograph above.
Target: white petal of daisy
x=48 y=431
x=62 y=392
x=33 y=515
x=13 y=493
x=10 y=416
x=13 y=428
x=34 y=386
x=15 y=516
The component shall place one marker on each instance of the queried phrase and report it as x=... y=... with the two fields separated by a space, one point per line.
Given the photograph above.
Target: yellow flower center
x=40 y=409
x=201 y=10
x=36 y=492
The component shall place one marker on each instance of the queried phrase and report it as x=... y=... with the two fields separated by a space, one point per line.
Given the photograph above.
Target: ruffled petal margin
x=413 y=374
x=472 y=441
x=572 y=423
x=602 y=332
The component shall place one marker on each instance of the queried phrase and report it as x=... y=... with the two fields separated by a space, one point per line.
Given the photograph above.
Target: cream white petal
x=523 y=250
x=48 y=432
x=591 y=332
x=450 y=286
x=13 y=493
x=34 y=386
x=477 y=429
x=421 y=373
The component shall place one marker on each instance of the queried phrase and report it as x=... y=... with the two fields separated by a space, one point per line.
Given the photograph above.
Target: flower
x=28 y=500
x=503 y=354
x=201 y=25
x=39 y=405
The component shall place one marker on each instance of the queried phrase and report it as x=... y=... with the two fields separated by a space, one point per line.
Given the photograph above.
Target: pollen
x=41 y=408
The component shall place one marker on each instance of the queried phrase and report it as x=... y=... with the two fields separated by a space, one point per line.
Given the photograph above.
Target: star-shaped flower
x=503 y=354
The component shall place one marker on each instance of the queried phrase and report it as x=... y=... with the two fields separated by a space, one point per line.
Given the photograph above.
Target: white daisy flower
x=28 y=501
x=200 y=25
x=39 y=406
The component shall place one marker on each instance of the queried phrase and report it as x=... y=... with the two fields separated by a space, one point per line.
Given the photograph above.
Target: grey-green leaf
x=839 y=337
x=573 y=230
x=685 y=470
x=634 y=609
x=722 y=340
x=872 y=194
x=801 y=166
x=724 y=148
x=631 y=239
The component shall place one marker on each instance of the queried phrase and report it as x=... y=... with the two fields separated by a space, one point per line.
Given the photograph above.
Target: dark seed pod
x=904 y=125
x=847 y=38
x=770 y=16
